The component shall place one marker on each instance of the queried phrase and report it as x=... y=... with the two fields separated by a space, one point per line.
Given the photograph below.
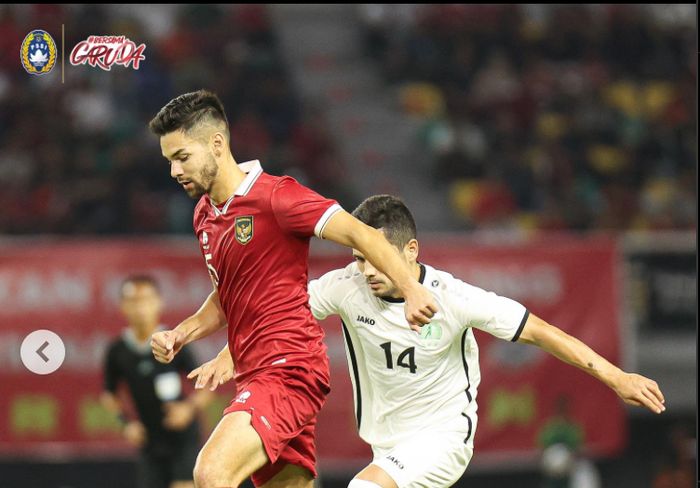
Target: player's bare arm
x=207 y=320
x=214 y=372
x=345 y=229
x=632 y=388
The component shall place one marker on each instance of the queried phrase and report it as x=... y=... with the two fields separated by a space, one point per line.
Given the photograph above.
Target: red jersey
x=256 y=247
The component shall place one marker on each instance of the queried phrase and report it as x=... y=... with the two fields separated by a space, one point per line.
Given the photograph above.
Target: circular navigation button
x=42 y=352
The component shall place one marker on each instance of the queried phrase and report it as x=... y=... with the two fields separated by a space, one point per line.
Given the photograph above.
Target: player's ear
x=218 y=143
x=410 y=250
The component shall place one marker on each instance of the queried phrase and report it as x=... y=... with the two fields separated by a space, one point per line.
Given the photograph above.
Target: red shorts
x=283 y=404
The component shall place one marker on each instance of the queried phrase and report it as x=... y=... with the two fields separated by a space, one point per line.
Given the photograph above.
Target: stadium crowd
x=550 y=117
x=78 y=158
x=542 y=117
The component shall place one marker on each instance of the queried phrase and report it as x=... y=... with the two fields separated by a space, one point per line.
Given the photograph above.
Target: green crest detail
x=431 y=331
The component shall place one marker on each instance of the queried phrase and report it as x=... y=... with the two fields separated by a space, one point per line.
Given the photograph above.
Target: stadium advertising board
x=70 y=288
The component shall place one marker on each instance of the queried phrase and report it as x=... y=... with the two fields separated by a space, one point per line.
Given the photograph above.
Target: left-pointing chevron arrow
x=40 y=351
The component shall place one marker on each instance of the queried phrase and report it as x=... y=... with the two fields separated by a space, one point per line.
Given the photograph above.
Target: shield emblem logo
x=38 y=52
x=244 y=229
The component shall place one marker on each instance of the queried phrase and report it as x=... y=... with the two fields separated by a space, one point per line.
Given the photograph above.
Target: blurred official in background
x=167 y=430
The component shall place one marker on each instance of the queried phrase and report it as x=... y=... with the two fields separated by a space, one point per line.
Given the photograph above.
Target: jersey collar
x=253 y=170
x=421 y=278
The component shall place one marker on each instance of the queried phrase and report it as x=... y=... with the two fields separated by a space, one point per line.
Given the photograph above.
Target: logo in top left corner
x=38 y=52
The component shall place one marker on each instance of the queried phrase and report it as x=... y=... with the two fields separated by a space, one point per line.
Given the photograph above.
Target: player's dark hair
x=390 y=214
x=139 y=279
x=186 y=111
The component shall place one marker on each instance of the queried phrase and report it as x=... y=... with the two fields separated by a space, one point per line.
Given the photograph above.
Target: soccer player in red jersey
x=254 y=231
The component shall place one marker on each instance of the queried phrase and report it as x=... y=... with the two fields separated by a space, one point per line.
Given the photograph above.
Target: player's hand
x=178 y=415
x=638 y=390
x=420 y=307
x=135 y=433
x=213 y=373
x=166 y=344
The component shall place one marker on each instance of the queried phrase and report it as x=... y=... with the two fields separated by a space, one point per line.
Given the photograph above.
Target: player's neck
x=227 y=181
x=415 y=270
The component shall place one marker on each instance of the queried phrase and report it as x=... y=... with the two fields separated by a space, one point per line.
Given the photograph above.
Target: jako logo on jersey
x=205 y=241
x=38 y=52
x=244 y=229
x=365 y=320
x=395 y=461
x=243 y=397
x=104 y=51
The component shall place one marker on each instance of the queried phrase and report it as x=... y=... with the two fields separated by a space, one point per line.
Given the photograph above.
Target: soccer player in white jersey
x=415 y=390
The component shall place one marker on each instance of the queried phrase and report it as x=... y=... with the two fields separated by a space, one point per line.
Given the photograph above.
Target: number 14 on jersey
x=400 y=361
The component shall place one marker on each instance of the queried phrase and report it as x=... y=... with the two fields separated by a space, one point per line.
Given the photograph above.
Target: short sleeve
x=327 y=293
x=112 y=374
x=500 y=316
x=300 y=210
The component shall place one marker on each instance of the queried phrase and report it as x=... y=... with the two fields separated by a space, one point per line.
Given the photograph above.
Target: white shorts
x=426 y=460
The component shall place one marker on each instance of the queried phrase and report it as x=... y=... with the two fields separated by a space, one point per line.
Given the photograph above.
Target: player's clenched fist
x=166 y=344
x=420 y=307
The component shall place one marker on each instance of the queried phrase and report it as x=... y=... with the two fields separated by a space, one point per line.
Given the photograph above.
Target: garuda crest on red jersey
x=244 y=229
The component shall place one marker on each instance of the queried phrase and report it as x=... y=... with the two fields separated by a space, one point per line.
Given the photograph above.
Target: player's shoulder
x=286 y=184
x=202 y=205
x=436 y=278
x=200 y=211
x=348 y=276
x=276 y=188
x=267 y=182
x=445 y=284
x=345 y=279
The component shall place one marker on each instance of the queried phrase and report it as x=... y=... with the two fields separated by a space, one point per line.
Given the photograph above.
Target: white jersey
x=405 y=382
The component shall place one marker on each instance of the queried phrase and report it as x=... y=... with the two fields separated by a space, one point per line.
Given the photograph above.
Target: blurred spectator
x=78 y=158
x=584 y=112
x=563 y=464
x=576 y=117
x=676 y=468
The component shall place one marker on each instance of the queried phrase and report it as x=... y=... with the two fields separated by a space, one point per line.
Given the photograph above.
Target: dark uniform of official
x=168 y=455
